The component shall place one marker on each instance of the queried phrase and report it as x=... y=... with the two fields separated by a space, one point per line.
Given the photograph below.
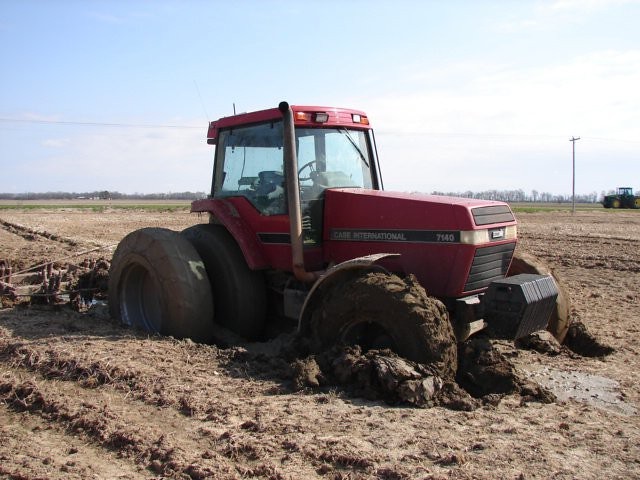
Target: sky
x=462 y=95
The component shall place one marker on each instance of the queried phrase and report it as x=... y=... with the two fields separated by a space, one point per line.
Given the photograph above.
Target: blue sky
x=463 y=95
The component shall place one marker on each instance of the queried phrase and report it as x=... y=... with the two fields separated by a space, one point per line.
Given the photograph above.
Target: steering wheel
x=312 y=168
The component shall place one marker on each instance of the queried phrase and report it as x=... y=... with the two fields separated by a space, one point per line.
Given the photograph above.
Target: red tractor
x=300 y=227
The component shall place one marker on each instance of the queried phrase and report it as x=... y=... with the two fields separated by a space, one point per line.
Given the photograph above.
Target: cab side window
x=249 y=163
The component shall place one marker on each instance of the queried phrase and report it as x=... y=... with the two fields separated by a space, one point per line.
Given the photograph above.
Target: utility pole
x=573 y=191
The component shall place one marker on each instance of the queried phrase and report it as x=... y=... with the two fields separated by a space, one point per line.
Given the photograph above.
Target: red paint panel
x=247 y=226
x=226 y=213
x=337 y=117
x=441 y=266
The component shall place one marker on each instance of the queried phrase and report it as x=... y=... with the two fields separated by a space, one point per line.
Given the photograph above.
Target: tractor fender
x=225 y=213
x=335 y=275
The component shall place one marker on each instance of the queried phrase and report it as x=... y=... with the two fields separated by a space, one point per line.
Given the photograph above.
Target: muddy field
x=82 y=397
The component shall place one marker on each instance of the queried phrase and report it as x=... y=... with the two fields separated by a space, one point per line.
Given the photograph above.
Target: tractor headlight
x=511 y=232
x=478 y=237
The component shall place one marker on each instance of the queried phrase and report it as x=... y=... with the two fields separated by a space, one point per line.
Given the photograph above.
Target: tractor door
x=329 y=158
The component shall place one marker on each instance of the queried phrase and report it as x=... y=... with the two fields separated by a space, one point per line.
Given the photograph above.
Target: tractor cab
x=335 y=148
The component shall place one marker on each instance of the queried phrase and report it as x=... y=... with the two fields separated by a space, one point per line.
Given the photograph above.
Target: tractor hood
x=455 y=246
x=362 y=208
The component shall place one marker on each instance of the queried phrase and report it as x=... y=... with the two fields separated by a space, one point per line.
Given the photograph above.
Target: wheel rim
x=140 y=299
x=369 y=336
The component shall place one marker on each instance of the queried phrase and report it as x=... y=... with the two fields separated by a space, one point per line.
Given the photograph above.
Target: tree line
x=500 y=195
x=522 y=196
x=102 y=195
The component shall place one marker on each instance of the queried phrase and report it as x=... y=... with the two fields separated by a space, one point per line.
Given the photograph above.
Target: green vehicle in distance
x=623 y=198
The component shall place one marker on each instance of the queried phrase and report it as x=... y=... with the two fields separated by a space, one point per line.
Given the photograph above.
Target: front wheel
x=378 y=310
x=158 y=282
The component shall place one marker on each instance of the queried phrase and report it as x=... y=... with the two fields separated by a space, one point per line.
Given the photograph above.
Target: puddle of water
x=601 y=392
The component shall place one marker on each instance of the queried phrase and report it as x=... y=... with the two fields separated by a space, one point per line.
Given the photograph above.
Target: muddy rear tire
x=560 y=316
x=157 y=282
x=239 y=293
x=378 y=310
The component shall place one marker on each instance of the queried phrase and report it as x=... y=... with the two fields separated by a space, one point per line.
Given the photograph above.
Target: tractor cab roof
x=307 y=116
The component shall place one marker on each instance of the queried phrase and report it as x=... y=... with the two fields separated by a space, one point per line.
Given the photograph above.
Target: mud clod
x=579 y=340
x=541 y=342
x=373 y=375
x=482 y=370
x=381 y=375
x=487 y=374
x=306 y=373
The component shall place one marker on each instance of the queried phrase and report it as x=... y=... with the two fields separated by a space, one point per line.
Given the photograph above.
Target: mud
x=591 y=389
x=90 y=282
x=374 y=375
x=542 y=342
x=83 y=397
x=484 y=376
x=475 y=373
x=579 y=340
x=487 y=373
x=406 y=318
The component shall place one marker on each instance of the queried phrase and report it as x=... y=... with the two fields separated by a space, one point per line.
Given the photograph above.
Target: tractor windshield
x=332 y=157
x=249 y=162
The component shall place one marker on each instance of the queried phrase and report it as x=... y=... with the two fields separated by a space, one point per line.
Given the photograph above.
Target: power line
x=381 y=131
x=92 y=124
x=614 y=140
x=532 y=136
x=411 y=133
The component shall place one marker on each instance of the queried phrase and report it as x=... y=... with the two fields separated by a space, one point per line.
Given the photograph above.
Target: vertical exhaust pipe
x=293 y=197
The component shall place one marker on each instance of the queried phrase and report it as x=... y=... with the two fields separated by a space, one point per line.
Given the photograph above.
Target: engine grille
x=492 y=214
x=489 y=264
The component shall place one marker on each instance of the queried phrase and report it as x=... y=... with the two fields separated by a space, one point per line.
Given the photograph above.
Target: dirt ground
x=82 y=397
